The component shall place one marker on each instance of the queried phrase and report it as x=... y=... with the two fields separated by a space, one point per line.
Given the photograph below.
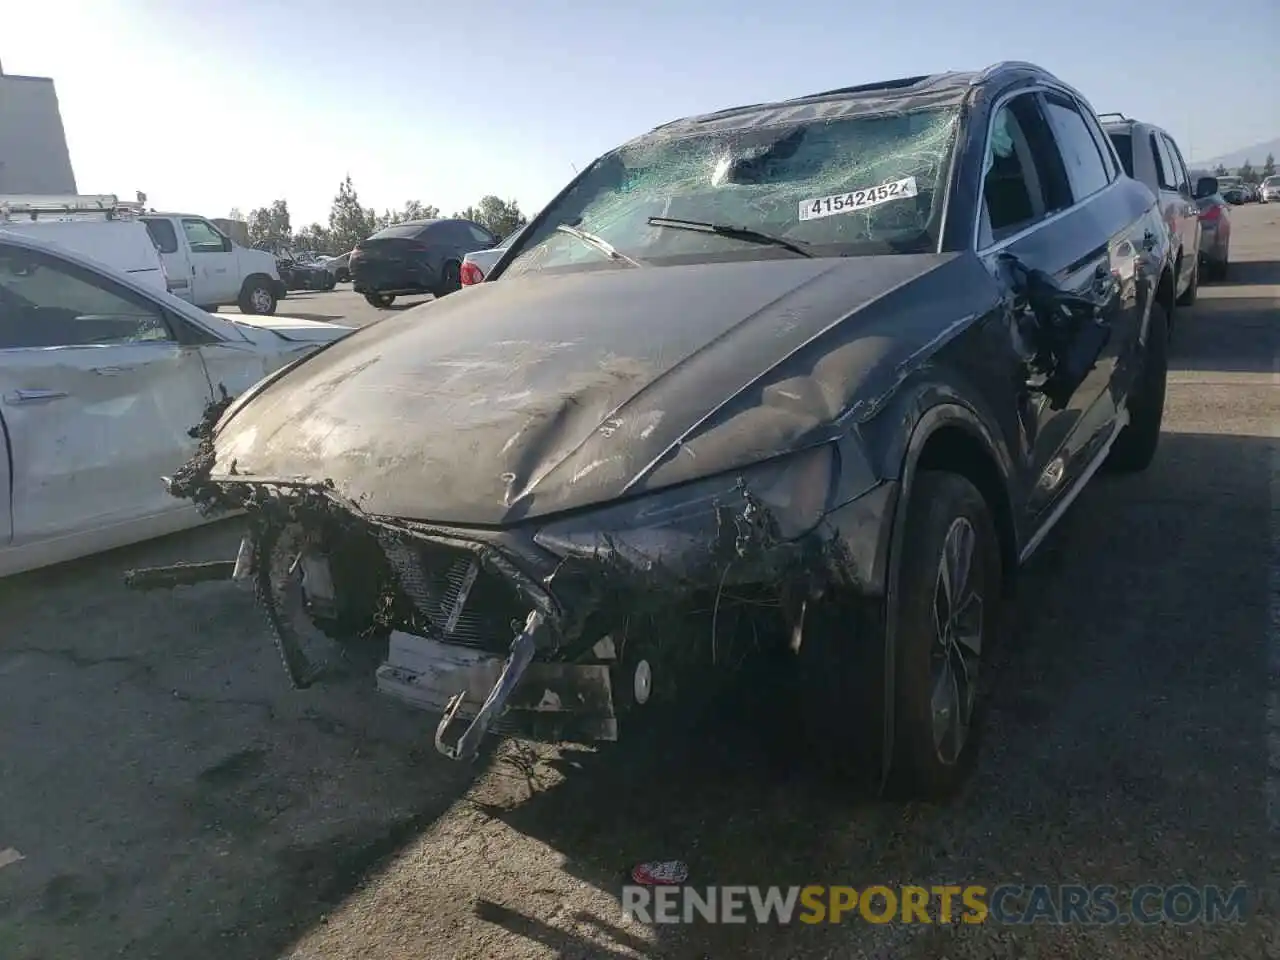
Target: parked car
x=1269 y=190
x=340 y=266
x=101 y=377
x=1215 y=229
x=206 y=267
x=95 y=225
x=819 y=403
x=1235 y=194
x=417 y=256
x=1151 y=156
x=300 y=272
x=477 y=264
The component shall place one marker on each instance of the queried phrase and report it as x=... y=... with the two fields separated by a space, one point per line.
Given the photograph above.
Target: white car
x=101 y=381
x=1269 y=191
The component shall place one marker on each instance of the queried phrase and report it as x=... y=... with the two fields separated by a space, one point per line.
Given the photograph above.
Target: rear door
x=97 y=393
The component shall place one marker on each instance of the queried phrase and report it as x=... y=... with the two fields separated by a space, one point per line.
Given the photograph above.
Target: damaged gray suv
x=803 y=381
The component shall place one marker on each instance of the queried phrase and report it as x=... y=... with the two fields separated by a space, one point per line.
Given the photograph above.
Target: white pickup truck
x=209 y=269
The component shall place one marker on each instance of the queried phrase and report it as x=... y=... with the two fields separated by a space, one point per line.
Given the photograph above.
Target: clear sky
x=233 y=103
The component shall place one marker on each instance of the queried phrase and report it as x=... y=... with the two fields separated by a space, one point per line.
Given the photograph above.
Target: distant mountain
x=1257 y=155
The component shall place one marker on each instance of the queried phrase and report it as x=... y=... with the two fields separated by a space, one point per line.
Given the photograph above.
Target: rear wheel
x=1136 y=446
x=380 y=300
x=257 y=297
x=451 y=279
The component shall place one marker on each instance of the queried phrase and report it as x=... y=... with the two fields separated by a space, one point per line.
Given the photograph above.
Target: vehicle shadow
x=1125 y=724
x=1244 y=272
x=171 y=795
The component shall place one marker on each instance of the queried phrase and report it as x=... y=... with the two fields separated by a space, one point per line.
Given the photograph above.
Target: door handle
x=112 y=371
x=36 y=396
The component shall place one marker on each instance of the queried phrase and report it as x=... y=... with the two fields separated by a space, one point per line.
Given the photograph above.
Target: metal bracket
x=468 y=745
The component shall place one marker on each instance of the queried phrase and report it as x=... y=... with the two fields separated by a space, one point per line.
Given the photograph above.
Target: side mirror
x=1206 y=187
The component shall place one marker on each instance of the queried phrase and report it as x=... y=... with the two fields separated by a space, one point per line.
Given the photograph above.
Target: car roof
x=917 y=92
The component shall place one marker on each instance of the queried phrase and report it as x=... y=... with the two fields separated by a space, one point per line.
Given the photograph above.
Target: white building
x=33 y=145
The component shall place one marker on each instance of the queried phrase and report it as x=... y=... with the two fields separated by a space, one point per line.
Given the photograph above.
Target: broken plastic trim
x=521 y=655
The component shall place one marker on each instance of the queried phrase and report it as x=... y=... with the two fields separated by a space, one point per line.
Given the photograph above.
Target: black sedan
x=799 y=383
x=414 y=257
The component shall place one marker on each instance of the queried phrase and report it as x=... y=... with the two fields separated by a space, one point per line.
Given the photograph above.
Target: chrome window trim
x=998 y=245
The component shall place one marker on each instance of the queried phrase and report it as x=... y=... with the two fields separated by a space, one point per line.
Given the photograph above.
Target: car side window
x=1164 y=164
x=202 y=238
x=480 y=235
x=1180 y=175
x=163 y=234
x=1086 y=170
x=1017 y=177
x=49 y=302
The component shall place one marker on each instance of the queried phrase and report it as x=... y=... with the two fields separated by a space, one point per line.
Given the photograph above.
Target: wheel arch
x=949 y=435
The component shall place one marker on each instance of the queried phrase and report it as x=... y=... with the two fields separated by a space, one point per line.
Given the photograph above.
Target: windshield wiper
x=729 y=230
x=591 y=240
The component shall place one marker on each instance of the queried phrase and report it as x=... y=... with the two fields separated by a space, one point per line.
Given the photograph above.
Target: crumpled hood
x=538 y=394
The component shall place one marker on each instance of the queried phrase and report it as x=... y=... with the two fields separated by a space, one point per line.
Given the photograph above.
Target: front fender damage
x=489 y=628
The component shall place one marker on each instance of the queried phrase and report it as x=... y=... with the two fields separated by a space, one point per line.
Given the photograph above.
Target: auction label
x=856 y=200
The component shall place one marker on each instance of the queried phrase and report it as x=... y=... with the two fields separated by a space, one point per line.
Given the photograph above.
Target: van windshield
x=853 y=186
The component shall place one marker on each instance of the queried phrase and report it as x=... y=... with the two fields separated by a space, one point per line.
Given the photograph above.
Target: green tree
x=1269 y=168
x=270 y=226
x=501 y=217
x=349 y=223
x=314 y=237
x=412 y=210
x=1220 y=170
x=468 y=213
x=1247 y=173
x=235 y=214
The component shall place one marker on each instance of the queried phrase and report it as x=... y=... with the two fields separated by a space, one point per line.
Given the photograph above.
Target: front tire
x=1135 y=448
x=380 y=300
x=257 y=298
x=948 y=612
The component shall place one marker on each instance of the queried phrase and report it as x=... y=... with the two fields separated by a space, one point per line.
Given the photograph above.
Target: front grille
x=432 y=577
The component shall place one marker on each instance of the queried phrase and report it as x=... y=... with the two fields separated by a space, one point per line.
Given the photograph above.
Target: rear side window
x=1085 y=167
x=479 y=234
x=163 y=235
x=1123 y=143
x=407 y=231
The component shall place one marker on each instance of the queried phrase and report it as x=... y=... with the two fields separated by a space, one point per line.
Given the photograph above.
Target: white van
x=95 y=226
x=209 y=269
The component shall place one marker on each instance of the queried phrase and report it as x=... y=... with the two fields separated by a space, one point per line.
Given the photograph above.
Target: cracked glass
x=755 y=178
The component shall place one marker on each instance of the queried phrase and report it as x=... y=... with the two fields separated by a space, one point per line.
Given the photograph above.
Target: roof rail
x=1116 y=114
x=31 y=206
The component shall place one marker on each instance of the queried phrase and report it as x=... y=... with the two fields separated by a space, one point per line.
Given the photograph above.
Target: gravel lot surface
x=171 y=797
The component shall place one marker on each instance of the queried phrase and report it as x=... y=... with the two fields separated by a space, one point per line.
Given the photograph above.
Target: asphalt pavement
x=164 y=794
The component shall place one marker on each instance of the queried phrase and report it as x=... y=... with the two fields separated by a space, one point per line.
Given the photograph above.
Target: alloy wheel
x=957 y=617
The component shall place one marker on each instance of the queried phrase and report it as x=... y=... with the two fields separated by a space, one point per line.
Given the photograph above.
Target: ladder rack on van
x=68 y=206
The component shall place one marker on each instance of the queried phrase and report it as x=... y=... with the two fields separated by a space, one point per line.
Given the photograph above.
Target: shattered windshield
x=847 y=187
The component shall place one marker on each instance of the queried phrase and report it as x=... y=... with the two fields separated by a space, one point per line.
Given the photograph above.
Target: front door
x=215 y=274
x=97 y=396
x=1042 y=170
